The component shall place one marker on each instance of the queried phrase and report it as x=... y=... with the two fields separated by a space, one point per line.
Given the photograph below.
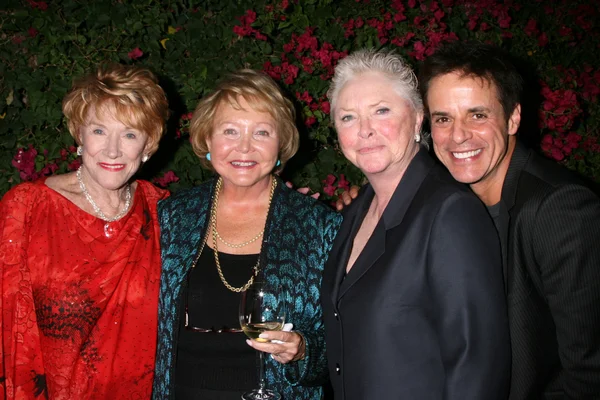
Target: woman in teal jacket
x=245 y=131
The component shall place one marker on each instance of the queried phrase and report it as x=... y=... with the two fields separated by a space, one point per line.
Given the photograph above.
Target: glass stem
x=261 y=371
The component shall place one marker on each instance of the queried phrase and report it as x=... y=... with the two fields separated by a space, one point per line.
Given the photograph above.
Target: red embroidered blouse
x=79 y=310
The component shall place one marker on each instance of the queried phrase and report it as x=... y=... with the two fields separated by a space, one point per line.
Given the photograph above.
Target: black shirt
x=215 y=365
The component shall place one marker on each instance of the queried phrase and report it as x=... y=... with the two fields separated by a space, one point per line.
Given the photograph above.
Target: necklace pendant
x=109 y=231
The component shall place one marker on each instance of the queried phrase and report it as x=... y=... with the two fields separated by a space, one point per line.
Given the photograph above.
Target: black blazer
x=549 y=225
x=421 y=314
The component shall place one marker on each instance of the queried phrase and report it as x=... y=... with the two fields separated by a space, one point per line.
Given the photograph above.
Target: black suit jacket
x=549 y=225
x=421 y=314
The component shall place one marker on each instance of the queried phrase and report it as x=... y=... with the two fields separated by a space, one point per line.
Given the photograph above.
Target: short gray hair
x=387 y=62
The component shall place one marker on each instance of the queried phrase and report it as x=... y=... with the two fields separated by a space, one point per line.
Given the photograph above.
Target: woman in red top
x=79 y=253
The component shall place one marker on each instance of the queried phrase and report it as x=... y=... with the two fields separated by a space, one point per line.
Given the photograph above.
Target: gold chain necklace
x=213 y=223
x=237 y=246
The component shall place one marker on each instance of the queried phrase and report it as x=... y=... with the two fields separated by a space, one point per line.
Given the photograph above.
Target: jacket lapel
x=353 y=218
x=392 y=216
x=374 y=248
x=518 y=160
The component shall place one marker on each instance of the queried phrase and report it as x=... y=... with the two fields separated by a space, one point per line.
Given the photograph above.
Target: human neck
x=489 y=190
x=384 y=183
x=248 y=197
x=109 y=201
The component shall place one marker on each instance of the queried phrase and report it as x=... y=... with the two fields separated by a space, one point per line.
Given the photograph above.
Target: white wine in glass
x=262 y=308
x=254 y=329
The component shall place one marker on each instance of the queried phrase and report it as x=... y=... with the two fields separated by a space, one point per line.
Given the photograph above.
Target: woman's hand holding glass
x=262 y=308
x=284 y=347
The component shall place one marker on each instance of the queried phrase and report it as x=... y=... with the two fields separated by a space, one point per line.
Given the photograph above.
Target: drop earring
x=417 y=137
x=208 y=156
x=80 y=150
x=278 y=163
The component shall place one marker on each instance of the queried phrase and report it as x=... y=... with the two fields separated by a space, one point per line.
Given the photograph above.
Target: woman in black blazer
x=412 y=293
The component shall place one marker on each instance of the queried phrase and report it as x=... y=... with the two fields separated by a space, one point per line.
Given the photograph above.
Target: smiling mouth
x=243 y=163
x=466 y=154
x=112 y=167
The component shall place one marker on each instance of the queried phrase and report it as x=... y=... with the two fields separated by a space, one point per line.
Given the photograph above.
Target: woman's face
x=244 y=144
x=376 y=127
x=112 y=151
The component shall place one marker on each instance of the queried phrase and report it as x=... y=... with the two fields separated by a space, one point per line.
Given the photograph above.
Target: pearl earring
x=145 y=158
x=417 y=137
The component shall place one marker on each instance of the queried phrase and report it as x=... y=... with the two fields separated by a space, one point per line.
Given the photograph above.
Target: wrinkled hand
x=292 y=347
x=346 y=198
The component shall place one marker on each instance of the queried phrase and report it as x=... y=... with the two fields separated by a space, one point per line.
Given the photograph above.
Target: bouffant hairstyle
x=132 y=94
x=263 y=94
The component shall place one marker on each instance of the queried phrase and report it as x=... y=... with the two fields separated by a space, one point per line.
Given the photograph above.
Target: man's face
x=471 y=134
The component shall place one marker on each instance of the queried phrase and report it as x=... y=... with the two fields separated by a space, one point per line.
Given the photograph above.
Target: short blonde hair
x=263 y=94
x=132 y=93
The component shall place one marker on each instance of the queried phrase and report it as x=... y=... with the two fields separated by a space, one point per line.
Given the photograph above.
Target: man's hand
x=303 y=190
x=346 y=198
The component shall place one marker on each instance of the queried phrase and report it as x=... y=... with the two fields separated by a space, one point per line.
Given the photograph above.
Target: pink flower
x=18 y=39
x=307 y=41
x=329 y=188
x=242 y=30
x=307 y=64
x=565 y=31
x=343 y=183
x=74 y=165
x=24 y=162
x=546 y=144
x=472 y=24
x=289 y=47
x=326 y=107
x=168 y=178
x=573 y=139
x=42 y=5
x=259 y=35
x=329 y=180
x=557 y=154
x=32 y=32
x=504 y=19
x=305 y=97
x=49 y=169
x=135 y=53
x=419 y=52
x=531 y=27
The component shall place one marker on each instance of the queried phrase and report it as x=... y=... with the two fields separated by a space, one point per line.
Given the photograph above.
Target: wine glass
x=262 y=309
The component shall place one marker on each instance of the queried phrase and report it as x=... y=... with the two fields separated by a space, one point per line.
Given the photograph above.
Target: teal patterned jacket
x=298 y=236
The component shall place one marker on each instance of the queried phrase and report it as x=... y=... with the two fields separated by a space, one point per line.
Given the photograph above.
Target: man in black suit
x=547 y=220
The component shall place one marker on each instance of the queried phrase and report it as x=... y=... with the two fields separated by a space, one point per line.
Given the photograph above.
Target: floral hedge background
x=191 y=44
